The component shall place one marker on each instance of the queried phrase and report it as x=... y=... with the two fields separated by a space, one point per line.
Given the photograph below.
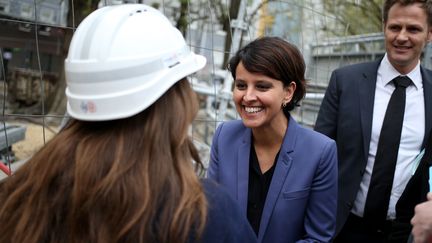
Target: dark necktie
x=380 y=186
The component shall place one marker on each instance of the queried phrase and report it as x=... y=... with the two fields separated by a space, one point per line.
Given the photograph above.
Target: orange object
x=4 y=168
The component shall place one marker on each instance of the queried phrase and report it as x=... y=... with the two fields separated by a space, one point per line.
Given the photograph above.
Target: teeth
x=253 y=109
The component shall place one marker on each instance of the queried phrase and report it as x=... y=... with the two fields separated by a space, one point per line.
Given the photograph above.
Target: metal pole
x=239 y=25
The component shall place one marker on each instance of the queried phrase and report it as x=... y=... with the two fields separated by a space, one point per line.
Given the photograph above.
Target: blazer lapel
x=243 y=170
x=366 y=86
x=427 y=90
x=280 y=173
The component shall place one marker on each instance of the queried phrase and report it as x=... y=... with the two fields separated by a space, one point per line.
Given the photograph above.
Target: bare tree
x=355 y=17
x=182 y=20
x=225 y=20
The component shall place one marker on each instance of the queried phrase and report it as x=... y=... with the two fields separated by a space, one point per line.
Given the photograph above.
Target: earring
x=284 y=104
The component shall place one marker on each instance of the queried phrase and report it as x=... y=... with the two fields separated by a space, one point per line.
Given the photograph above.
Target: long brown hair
x=128 y=180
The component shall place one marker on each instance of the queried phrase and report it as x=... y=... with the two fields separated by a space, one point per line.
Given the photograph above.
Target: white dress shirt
x=412 y=135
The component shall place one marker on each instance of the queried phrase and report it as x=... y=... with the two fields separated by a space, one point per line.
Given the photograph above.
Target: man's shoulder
x=426 y=70
x=357 y=67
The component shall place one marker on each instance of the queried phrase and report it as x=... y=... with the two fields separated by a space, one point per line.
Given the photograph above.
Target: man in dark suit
x=353 y=112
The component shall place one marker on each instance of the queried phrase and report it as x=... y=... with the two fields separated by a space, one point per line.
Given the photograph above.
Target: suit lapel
x=281 y=171
x=366 y=86
x=243 y=170
x=427 y=90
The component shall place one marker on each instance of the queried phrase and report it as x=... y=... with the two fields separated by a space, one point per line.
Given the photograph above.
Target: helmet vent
x=138 y=11
x=173 y=65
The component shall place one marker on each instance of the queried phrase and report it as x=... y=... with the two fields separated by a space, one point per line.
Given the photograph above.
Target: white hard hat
x=122 y=59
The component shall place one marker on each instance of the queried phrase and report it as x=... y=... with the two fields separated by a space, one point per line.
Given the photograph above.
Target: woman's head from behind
x=124 y=165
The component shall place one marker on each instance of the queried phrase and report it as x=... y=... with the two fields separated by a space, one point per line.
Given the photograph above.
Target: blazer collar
x=243 y=158
x=283 y=166
x=427 y=91
x=366 y=85
x=288 y=141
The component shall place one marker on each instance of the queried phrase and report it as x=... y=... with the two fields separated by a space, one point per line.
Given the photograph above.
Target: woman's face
x=259 y=98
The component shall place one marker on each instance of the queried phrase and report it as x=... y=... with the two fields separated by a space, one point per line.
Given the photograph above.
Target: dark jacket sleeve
x=225 y=222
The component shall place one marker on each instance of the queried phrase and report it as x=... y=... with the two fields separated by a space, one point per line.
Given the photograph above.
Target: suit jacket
x=301 y=200
x=346 y=116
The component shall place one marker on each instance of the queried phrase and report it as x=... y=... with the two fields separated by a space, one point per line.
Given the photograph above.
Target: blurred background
x=35 y=35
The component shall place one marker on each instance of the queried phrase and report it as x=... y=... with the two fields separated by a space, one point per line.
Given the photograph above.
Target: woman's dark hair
x=277 y=59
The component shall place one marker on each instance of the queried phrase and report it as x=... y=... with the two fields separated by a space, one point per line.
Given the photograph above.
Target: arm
x=238 y=226
x=320 y=218
x=422 y=221
x=213 y=170
x=326 y=122
x=225 y=221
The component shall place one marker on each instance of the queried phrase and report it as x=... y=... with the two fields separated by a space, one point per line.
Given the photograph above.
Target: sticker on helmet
x=88 y=106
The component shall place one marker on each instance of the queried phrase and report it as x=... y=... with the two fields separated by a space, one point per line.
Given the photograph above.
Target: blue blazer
x=301 y=200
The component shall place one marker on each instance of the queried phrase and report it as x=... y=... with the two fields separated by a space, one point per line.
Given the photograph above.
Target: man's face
x=406 y=34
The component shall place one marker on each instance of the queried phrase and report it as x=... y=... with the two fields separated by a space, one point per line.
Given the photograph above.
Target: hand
x=422 y=221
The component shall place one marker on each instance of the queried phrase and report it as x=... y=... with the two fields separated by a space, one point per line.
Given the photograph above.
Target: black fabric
x=360 y=230
x=417 y=188
x=385 y=160
x=259 y=184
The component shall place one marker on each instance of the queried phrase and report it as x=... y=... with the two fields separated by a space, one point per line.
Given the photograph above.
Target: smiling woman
x=268 y=154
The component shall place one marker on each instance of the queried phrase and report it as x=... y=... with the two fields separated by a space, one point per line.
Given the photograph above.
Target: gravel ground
x=34 y=140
